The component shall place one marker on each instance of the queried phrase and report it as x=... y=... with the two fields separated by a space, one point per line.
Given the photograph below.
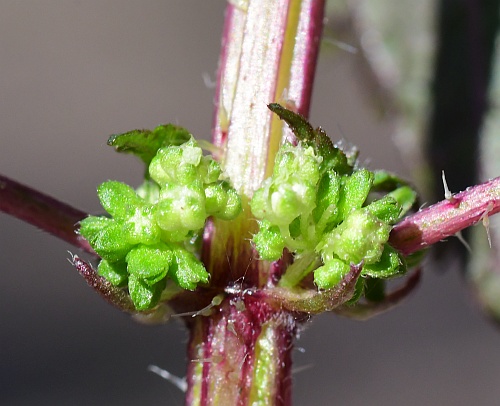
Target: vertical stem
x=269 y=55
x=241 y=354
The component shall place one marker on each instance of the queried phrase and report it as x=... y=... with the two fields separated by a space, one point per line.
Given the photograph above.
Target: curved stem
x=42 y=211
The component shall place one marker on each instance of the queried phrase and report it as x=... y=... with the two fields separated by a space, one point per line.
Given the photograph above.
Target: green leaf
x=269 y=242
x=92 y=225
x=145 y=143
x=143 y=295
x=354 y=191
x=186 y=270
x=106 y=236
x=333 y=157
x=389 y=265
x=330 y=274
x=149 y=262
x=115 y=272
x=374 y=289
x=406 y=198
x=118 y=199
x=385 y=181
x=327 y=198
x=386 y=209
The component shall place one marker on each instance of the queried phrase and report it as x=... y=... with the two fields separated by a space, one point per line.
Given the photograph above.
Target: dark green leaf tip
x=146 y=143
x=333 y=157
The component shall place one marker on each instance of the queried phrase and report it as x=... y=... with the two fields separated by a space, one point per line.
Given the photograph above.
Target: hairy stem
x=447 y=217
x=241 y=354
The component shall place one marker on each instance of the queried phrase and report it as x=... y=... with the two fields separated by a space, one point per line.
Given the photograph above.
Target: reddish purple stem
x=446 y=218
x=112 y=294
x=42 y=211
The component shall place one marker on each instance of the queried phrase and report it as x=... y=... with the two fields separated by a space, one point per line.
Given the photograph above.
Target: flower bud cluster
x=319 y=209
x=145 y=242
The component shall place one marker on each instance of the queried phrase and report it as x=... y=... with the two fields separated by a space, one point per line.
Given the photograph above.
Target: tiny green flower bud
x=115 y=272
x=118 y=199
x=296 y=162
x=141 y=227
x=109 y=240
x=209 y=170
x=268 y=241
x=180 y=208
x=186 y=270
x=354 y=191
x=176 y=164
x=222 y=201
x=361 y=236
x=143 y=295
x=149 y=262
x=391 y=264
x=330 y=274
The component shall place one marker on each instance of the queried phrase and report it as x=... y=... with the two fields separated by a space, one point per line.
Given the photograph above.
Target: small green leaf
x=361 y=236
x=386 y=209
x=330 y=274
x=145 y=143
x=149 y=262
x=118 y=199
x=333 y=157
x=389 y=265
x=269 y=242
x=186 y=270
x=92 y=225
x=327 y=198
x=354 y=191
x=384 y=181
x=374 y=289
x=115 y=272
x=143 y=295
x=108 y=240
x=406 y=198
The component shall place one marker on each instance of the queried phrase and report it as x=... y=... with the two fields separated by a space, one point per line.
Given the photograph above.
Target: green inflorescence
x=147 y=238
x=318 y=205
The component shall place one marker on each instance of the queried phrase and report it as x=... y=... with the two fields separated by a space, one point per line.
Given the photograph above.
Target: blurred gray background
x=74 y=72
